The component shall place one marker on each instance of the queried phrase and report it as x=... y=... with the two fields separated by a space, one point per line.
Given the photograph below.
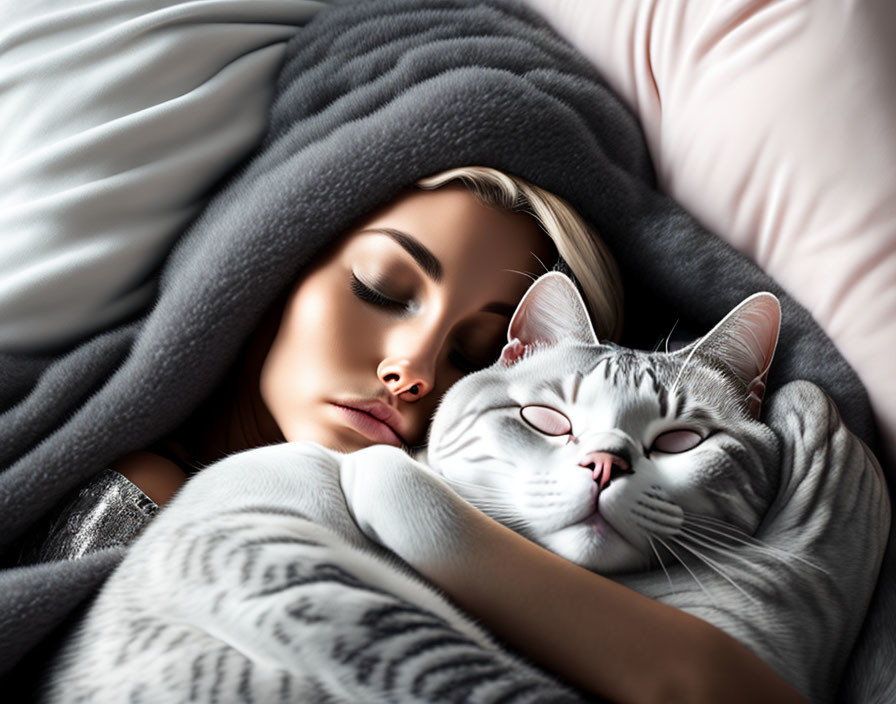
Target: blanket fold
x=372 y=96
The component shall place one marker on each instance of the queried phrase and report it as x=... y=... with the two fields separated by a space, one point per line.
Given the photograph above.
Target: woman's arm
x=159 y=478
x=600 y=635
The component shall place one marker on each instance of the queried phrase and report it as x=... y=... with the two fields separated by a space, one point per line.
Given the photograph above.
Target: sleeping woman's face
x=408 y=302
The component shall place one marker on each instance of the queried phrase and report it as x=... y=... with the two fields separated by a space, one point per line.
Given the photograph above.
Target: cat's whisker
x=684 y=368
x=723 y=528
x=717 y=545
x=543 y=265
x=531 y=277
x=659 y=512
x=659 y=559
x=664 y=507
x=720 y=527
x=709 y=519
x=669 y=336
x=731 y=551
x=654 y=523
x=725 y=495
x=713 y=565
x=726 y=541
x=685 y=565
x=736 y=534
x=718 y=524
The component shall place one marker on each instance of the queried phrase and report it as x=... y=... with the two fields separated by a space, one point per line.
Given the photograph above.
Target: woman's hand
x=602 y=636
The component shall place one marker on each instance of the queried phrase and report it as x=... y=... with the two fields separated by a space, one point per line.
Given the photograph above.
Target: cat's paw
x=399 y=503
x=372 y=481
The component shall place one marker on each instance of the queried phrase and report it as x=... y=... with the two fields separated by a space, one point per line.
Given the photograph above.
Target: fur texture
x=265 y=577
x=372 y=96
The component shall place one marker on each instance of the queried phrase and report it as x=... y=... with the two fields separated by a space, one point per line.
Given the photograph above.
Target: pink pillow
x=774 y=123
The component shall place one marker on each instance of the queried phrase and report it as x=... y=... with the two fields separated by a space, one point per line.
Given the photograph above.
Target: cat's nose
x=604 y=466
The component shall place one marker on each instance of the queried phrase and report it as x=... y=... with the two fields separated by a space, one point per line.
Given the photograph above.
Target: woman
x=426 y=285
x=373 y=96
x=365 y=344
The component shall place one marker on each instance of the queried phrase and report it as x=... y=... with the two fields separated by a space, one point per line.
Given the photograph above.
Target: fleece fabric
x=371 y=97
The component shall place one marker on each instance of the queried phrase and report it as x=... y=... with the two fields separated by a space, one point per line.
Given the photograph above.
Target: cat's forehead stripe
x=553 y=385
x=698 y=415
x=601 y=360
x=576 y=377
x=663 y=398
x=680 y=401
x=576 y=384
x=607 y=368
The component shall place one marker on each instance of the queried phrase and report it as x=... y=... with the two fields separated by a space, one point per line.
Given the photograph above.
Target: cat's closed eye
x=546 y=420
x=675 y=441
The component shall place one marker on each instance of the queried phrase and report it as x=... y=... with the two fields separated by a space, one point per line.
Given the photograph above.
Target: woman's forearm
x=604 y=637
x=596 y=633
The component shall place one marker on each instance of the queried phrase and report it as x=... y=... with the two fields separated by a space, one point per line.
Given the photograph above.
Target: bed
x=769 y=122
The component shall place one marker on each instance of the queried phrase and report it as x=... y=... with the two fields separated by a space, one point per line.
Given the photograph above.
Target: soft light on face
x=406 y=303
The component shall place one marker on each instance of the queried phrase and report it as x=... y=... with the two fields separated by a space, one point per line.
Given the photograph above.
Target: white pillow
x=116 y=118
x=775 y=125
x=772 y=122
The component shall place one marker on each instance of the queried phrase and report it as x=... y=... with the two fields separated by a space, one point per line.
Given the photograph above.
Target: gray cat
x=260 y=580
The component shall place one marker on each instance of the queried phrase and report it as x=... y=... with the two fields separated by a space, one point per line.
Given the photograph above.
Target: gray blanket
x=372 y=96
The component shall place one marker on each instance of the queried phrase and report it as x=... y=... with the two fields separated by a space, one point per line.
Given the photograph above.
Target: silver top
x=108 y=510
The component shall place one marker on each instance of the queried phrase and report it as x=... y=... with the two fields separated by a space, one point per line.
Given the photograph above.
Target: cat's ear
x=745 y=341
x=552 y=310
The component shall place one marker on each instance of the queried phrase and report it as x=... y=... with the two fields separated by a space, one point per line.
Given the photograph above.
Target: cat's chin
x=596 y=545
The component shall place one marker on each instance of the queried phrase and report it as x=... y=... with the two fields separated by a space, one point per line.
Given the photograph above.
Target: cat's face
x=680 y=459
x=607 y=456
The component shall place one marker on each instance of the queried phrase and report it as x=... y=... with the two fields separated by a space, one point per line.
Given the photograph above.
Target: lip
x=375 y=420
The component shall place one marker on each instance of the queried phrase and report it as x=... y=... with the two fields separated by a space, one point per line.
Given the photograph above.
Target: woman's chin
x=338 y=439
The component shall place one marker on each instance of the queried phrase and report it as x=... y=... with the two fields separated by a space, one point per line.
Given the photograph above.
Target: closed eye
x=674 y=441
x=374 y=297
x=369 y=294
x=546 y=420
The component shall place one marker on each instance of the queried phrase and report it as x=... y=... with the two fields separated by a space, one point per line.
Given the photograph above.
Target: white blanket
x=117 y=117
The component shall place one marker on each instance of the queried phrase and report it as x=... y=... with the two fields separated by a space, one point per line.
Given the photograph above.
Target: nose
x=412 y=349
x=605 y=466
x=405 y=379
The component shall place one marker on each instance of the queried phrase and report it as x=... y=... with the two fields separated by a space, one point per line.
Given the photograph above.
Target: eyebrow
x=431 y=265
x=421 y=254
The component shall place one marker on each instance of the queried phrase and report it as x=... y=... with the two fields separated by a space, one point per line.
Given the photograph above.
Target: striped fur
x=264 y=580
x=255 y=585
x=771 y=531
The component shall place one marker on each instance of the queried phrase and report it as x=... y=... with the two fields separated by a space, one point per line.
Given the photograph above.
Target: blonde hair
x=578 y=245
